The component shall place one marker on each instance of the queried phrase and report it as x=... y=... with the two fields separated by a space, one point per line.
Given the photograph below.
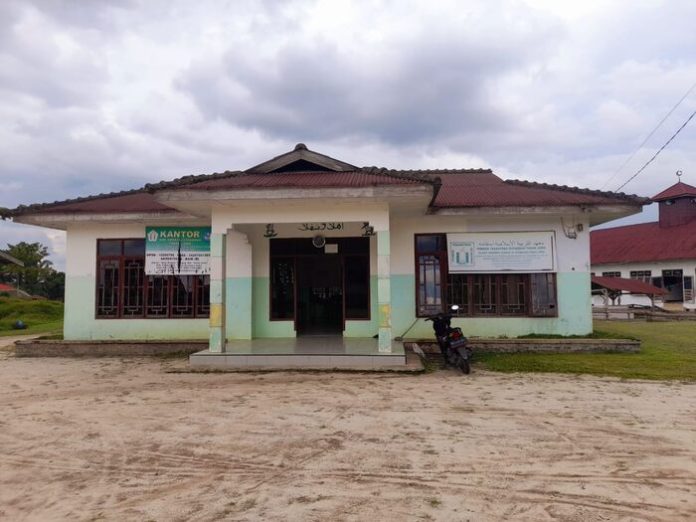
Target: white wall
x=656 y=267
x=80 y=322
x=571 y=254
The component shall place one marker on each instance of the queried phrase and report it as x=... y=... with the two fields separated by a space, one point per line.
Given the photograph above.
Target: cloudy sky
x=103 y=96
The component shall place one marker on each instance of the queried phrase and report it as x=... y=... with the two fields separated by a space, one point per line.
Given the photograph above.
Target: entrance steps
x=303 y=353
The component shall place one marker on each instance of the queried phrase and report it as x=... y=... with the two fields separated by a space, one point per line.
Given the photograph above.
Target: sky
x=104 y=96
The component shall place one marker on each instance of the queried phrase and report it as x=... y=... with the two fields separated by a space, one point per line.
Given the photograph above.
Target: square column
x=238 y=286
x=217 y=293
x=384 y=290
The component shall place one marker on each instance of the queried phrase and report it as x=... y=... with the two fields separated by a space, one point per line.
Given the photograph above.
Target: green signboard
x=177 y=250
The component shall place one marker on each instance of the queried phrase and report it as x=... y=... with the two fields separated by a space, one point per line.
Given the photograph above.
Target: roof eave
x=62 y=220
x=4 y=256
x=617 y=196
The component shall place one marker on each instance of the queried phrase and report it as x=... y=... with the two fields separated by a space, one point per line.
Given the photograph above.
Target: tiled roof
x=365 y=177
x=485 y=189
x=645 y=242
x=677 y=190
x=452 y=188
x=633 y=286
x=126 y=201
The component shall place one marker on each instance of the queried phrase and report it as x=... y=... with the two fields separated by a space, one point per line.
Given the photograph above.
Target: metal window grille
x=124 y=291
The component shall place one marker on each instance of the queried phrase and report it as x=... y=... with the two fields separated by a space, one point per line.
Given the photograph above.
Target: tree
x=37 y=276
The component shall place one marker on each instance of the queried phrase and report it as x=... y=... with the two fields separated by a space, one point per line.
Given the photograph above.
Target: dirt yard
x=123 y=439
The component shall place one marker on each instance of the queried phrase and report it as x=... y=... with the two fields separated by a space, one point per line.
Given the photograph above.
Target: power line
x=658 y=152
x=628 y=160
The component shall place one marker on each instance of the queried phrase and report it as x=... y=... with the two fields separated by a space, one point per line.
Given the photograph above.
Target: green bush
x=32 y=312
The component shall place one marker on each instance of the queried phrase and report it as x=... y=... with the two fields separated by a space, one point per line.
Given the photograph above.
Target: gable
x=302 y=165
x=299 y=159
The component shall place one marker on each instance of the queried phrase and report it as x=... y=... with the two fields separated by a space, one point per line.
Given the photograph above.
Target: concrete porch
x=302 y=352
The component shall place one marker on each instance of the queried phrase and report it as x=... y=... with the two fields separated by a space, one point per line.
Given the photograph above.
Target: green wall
x=238 y=313
x=262 y=326
x=575 y=317
x=80 y=324
x=366 y=328
x=574 y=312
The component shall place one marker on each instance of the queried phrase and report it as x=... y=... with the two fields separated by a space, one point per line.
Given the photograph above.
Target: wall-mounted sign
x=317 y=227
x=501 y=252
x=177 y=250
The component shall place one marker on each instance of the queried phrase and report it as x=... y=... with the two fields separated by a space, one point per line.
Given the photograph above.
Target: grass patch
x=596 y=334
x=40 y=316
x=668 y=351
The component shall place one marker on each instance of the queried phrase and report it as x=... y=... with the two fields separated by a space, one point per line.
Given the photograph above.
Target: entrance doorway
x=673 y=282
x=319 y=295
x=320 y=287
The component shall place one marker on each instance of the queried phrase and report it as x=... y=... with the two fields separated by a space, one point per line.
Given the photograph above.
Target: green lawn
x=40 y=316
x=668 y=351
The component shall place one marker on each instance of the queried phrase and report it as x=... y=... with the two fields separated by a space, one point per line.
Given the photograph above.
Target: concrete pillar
x=384 y=288
x=238 y=286
x=217 y=293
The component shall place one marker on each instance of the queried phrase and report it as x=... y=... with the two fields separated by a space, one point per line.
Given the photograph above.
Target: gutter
x=437 y=185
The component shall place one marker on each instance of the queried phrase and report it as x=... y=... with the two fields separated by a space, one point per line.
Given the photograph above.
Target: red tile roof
x=6 y=288
x=310 y=179
x=451 y=188
x=675 y=191
x=642 y=243
x=128 y=201
x=633 y=286
x=485 y=189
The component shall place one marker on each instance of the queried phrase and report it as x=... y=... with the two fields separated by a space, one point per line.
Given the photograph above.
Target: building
x=305 y=245
x=7 y=259
x=662 y=252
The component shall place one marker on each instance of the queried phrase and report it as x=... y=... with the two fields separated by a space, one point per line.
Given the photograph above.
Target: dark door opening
x=319 y=295
x=673 y=282
x=320 y=290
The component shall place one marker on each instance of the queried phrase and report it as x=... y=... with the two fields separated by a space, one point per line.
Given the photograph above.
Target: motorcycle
x=453 y=345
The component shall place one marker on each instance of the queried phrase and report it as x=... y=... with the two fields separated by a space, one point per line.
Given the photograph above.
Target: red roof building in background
x=662 y=253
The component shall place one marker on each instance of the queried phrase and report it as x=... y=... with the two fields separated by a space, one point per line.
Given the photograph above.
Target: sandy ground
x=122 y=439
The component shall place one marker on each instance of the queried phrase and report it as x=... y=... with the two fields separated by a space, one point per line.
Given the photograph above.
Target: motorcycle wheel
x=464 y=366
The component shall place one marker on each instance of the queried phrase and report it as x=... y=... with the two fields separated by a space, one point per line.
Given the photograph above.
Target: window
x=532 y=295
x=485 y=299
x=642 y=275
x=431 y=263
x=543 y=295
x=124 y=291
x=611 y=274
x=282 y=288
x=513 y=294
x=357 y=286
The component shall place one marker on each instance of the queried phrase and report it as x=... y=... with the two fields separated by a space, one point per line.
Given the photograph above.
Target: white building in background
x=662 y=252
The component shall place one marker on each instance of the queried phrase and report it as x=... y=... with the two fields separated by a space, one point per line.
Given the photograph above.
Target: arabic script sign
x=177 y=250
x=501 y=252
x=320 y=227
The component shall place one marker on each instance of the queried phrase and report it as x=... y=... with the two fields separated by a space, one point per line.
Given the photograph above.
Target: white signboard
x=501 y=252
x=177 y=250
